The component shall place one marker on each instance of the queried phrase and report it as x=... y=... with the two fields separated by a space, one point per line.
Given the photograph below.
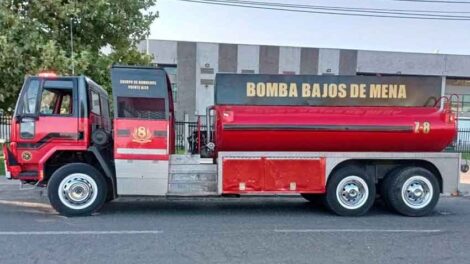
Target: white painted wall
x=328 y=59
x=289 y=60
x=164 y=52
x=207 y=54
x=248 y=58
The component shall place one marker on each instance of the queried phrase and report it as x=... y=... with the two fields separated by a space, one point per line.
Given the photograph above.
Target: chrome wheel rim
x=417 y=192
x=352 y=192
x=78 y=191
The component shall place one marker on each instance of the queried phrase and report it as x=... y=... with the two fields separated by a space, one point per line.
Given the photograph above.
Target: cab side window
x=56 y=102
x=95 y=102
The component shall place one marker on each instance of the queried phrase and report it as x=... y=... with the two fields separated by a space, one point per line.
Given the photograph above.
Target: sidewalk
x=10 y=190
x=464 y=186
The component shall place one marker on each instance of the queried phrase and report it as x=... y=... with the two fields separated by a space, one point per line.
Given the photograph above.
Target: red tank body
x=307 y=128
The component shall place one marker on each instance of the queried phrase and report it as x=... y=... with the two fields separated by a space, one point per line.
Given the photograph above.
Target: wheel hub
x=352 y=192
x=77 y=191
x=417 y=192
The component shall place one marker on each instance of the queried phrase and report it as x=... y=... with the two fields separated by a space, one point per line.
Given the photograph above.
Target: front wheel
x=77 y=189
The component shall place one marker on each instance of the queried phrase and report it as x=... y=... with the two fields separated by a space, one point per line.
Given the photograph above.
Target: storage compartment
x=273 y=175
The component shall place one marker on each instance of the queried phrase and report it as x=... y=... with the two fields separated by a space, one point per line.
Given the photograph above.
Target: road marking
x=59 y=233
x=357 y=230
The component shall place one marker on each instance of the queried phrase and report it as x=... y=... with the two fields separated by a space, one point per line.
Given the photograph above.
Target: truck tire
x=77 y=189
x=412 y=191
x=384 y=183
x=350 y=192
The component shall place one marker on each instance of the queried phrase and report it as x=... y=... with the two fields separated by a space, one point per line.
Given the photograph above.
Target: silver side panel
x=142 y=177
x=448 y=164
x=192 y=176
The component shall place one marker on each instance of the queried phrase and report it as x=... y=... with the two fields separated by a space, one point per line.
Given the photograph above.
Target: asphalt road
x=229 y=230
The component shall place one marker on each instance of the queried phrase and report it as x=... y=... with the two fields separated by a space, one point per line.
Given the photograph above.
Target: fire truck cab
x=62 y=124
x=63 y=137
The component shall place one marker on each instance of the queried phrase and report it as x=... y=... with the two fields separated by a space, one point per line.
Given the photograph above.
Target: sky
x=179 y=20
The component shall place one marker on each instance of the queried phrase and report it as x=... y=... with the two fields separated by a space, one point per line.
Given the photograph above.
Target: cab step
x=192 y=176
x=28 y=175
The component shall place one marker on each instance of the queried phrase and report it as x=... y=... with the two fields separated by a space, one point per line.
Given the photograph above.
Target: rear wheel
x=77 y=189
x=412 y=191
x=350 y=192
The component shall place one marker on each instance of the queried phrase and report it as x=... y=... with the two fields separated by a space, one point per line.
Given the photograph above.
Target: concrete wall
x=197 y=64
x=207 y=66
x=186 y=71
x=248 y=59
x=289 y=60
x=268 y=60
x=398 y=62
x=164 y=52
x=328 y=62
x=228 y=57
x=309 y=60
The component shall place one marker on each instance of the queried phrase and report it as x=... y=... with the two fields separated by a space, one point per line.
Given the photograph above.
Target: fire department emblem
x=141 y=135
x=26 y=155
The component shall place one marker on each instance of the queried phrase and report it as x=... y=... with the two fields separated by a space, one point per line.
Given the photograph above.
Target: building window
x=462 y=104
x=461 y=88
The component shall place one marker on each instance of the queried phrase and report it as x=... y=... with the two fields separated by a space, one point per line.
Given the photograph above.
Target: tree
x=35 y=36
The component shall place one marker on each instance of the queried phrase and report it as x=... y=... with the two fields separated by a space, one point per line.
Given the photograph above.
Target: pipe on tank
x=208 y=122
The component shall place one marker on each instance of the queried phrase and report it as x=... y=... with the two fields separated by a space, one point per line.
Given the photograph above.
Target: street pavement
x=226 y=230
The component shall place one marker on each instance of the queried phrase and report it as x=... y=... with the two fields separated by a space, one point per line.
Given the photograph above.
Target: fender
x=106 y=167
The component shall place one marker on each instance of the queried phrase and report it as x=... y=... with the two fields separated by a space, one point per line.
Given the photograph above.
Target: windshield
x=46 y=97
x=30 y=97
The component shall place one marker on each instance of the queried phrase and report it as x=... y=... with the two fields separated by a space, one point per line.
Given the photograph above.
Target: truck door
x=45 y=114
x=142 y=125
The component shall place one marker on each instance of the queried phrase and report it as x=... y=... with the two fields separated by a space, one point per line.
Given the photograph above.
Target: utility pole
x=71 y=45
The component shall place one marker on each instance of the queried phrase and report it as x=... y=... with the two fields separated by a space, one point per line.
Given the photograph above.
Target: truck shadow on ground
x=232 y=206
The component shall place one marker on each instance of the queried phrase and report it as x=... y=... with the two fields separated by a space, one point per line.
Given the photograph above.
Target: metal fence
x=462 y=142
x=183 y=130
x=5 y=123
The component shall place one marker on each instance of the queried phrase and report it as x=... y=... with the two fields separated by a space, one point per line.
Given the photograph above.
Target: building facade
x=192 y=67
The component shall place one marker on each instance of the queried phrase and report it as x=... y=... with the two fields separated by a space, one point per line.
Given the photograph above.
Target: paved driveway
x=228 y=230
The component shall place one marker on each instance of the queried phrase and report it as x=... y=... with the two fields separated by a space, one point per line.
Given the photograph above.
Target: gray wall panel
x=309 y=61
x=248 y=59
x=163 y=51
x=269 y=59
x=289 y=60
x=401 y=63
x=186 y=53
x=328 y=61
x=228 y=57
x=347 y=62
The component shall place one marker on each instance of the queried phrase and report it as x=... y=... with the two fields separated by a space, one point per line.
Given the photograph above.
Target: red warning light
x=47 y=74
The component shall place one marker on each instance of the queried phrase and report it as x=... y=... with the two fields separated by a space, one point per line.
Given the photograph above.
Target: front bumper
x=11 y=164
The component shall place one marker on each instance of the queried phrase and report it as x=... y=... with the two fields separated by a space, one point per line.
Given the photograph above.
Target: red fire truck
x=341 y=139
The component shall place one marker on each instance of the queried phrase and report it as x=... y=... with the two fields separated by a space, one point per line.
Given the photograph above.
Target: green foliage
x=35 y=36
